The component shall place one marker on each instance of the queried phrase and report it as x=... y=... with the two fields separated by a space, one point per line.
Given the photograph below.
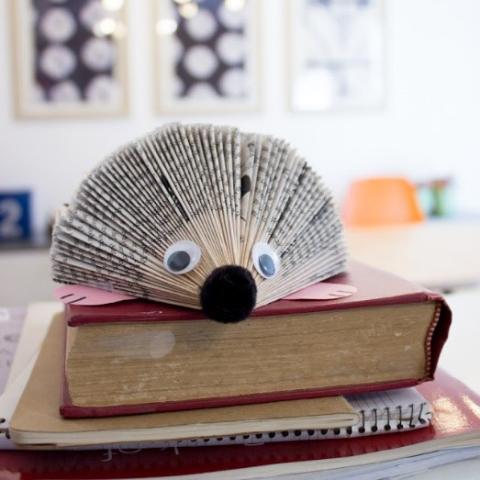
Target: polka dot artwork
x=73 y=61
x=210 y=58
x=57 y=25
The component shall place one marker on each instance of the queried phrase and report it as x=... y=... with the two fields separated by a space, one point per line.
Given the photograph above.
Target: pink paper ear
x=83 y=295
x=323 y=291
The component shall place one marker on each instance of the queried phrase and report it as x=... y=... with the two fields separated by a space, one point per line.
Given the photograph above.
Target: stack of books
x=303 y=387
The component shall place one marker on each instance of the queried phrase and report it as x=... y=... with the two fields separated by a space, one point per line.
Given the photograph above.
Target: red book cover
x=374 y=288
x=455 y=422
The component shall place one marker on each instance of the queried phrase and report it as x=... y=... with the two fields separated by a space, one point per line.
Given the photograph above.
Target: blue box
x=15 y=216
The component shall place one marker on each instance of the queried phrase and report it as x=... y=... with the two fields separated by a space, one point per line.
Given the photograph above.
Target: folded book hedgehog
x=202 y=216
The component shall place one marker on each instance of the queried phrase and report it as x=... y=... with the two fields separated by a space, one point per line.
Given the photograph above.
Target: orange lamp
x=381 y=201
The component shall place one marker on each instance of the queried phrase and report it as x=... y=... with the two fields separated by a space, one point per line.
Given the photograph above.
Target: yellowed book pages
x=141 y=363
x=37 y=422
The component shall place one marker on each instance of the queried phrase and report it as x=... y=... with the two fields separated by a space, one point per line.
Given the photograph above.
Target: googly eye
x=182 y=257
x=265 y=259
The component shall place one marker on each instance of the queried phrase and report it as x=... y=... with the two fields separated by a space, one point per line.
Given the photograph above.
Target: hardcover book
x=139 y=357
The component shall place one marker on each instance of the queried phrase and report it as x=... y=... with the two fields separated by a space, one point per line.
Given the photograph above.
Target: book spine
x=437 y=334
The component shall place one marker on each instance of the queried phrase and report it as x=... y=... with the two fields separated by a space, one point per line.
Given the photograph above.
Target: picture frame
x=208 y=62
x=336 y=55
x=69 y=58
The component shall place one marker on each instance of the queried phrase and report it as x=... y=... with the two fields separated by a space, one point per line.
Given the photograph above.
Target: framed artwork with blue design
x=15 y=216
x=336 y=55
x=207 y=56
x=69 y=57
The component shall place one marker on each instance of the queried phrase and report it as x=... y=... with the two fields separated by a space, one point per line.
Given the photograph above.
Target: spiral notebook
x=379 y=412
x=391 y=411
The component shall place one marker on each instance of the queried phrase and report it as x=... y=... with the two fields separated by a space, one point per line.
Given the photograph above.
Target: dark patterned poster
x=207 y=55
x=70 y=57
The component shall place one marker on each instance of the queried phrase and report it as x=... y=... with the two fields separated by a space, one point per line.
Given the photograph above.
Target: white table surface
x=25 y=277
x=440 y=254
x=461 y=355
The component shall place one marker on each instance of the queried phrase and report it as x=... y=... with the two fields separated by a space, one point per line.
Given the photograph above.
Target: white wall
x=429 y=125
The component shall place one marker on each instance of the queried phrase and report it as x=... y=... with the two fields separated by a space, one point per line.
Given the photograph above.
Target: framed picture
x=336 y=54
x=69 y=57
x=206 y=56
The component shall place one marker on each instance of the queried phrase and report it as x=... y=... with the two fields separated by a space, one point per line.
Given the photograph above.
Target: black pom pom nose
x=229 y=294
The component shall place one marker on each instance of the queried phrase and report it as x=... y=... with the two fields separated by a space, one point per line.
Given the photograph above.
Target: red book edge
x=456 y=413
x=374 y=287
x=434 y=341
